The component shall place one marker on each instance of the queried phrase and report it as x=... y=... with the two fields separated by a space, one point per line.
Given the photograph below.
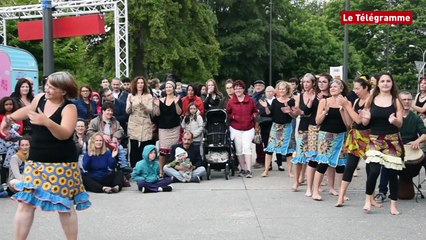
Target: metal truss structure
x=75 y=8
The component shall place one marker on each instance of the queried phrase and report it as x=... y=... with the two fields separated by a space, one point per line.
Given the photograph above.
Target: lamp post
x=346 y=47
x=48 y=63
x=422 y=69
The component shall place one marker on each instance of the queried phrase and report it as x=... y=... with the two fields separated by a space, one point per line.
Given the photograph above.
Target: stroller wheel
x=208 y=170
x=227 y=171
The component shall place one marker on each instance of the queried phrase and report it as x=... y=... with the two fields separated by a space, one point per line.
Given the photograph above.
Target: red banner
x=63 y=27
x=376 y=17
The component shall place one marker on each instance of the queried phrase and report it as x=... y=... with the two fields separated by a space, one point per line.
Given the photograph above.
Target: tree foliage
x=230 y=39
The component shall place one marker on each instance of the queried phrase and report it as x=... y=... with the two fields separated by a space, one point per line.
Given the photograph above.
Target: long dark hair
x=188 y=116
x=393 y=91
x=17 y=93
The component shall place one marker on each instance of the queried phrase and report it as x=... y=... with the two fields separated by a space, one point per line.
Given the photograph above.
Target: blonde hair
x=91 y=150
x=286 y=85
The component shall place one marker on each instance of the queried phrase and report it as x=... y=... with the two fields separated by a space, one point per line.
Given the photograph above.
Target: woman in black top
x=333 y=121
x=418 y=104
x=23 y=95
x=304 y=104
x=51 y=178
x=358 y=137
x=168 y=109
x=214 y=99
x=281 y=130
x=384 y=114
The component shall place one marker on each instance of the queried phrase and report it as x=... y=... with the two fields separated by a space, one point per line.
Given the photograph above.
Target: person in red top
x=9 y=145
x=242 y=113
x=192 y=96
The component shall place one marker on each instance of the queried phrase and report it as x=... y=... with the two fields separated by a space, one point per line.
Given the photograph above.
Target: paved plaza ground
x=240 y=208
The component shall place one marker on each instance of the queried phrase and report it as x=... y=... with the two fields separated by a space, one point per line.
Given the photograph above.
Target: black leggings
x=4 y=172
x=372 y=175
x=350 y=167
x=322 y=167
x=313 y=164
x=113 y=179
x=279 y=158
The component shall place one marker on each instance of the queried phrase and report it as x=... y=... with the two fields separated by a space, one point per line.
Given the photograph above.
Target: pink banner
x=5 y=75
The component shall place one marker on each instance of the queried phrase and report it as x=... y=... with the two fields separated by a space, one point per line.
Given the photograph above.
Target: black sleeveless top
x=168 y=116
x=419 y=104
x=45 y=147
x=304 y=120
x=278 y=116
x=333 y=122
x=357 y=107
x=380 y=120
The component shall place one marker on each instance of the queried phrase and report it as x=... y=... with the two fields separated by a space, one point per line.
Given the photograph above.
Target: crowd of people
x=316 y=124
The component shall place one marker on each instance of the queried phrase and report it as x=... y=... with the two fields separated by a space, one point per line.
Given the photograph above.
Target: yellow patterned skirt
x=357 y=142
x=52 y=186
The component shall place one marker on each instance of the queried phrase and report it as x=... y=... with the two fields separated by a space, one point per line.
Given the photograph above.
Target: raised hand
x=392 y=118
x=286 y=109
x=156 y=101
x=342 y=101
x=364 y=113
x=263 y=103
x=38 y=118
x=177 y=99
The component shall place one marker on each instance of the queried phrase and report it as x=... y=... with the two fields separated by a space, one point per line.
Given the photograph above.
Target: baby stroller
x=218 y=149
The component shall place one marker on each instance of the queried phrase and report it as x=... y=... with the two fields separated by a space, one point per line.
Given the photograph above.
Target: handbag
x=257 y=138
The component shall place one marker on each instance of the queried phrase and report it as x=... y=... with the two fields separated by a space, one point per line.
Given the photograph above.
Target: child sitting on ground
x=147 y=173
x=183 y=164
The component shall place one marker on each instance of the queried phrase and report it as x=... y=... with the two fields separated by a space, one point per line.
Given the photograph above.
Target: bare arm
x=322 y=112
x=398 y=117
x=61 y=131
x=346 y=118
x=178 y=108
x=416 y=108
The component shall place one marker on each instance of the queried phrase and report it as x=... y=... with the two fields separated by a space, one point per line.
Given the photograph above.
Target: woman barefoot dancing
x=384 y=113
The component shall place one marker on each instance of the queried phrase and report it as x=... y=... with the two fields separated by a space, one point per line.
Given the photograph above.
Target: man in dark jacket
x=265 y=122
x=193 y=154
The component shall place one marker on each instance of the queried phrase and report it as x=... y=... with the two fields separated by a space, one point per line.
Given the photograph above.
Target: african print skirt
x=52 y=187
x=167 y=138
x=301 y=147
x=357 y=142
x=292 y=144
x=312 y=141
x=279 y=138
x=330 y=147
x=387 y=150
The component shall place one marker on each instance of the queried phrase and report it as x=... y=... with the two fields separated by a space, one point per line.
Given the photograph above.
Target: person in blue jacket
x=100 y=166
x=86 y=108
x=147 y=173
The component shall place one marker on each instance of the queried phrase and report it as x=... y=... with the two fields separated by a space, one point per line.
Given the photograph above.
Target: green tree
x=384 y=47
x=173 y=35
x=243 y=33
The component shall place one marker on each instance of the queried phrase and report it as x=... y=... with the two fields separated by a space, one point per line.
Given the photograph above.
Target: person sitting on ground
x=80 y=139
x=17 y=163
x=194 y=156
x=182 y=164
x=112 y=133
x=100 y=164
x=147 y=173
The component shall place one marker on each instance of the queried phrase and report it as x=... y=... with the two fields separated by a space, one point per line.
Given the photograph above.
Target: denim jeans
x=171 y=172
